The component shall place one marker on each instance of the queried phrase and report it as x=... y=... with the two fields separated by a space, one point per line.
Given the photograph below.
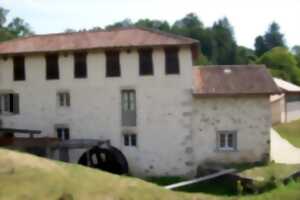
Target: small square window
x=63 y=133
x=130 y=139
x=227 y=140
x=9 y=103
x=63 y=99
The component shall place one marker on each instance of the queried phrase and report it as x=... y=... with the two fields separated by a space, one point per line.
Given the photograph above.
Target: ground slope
x=23 y=176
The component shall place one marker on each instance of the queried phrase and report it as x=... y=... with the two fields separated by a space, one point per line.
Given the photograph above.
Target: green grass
x=24 y=177
x=290 y=131
x=222 y=187
x=289 y=192
x=265 y=172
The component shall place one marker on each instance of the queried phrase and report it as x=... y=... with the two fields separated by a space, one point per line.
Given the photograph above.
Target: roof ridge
x=105 y=30
x=230 y=66
x=157 y=31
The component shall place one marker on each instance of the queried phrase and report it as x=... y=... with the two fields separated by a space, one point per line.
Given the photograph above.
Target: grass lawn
x=23 y=176
x=289 y=192
x=290 y=131
x=221 y=187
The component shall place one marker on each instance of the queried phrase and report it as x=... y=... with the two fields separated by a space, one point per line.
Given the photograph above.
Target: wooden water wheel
x=108 y=159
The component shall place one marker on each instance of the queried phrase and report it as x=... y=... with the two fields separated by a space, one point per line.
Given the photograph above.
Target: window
x=9 y=103
x=52 y=68
x=227 y=140
x=172 y=61
x=63 y=133
x=128 y=108
x=146 y=63
x=80 y=66
x=130 y=139
x=113 y=68
x=63 y=99
x=19 y=68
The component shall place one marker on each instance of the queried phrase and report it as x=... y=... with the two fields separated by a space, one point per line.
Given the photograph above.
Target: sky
x=249 y=18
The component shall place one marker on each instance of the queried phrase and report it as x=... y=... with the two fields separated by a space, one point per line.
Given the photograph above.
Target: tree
x=153 y=24
x=226 y=46
x=282 y=64
x=19 y=27
x=16 y=28
x=3 y=13
x=245 y=55
x=272 y=38
x=122 y=24
x=260 y=46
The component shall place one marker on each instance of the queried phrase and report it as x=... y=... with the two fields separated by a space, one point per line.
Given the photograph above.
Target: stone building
x=138 y=89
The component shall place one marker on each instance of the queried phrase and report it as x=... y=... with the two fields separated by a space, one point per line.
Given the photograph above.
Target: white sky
x=249 y=17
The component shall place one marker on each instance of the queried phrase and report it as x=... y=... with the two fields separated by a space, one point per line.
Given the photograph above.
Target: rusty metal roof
x=115 y=38
x=231 y=80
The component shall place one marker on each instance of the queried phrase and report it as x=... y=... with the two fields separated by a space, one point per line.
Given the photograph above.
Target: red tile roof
x=116 y=38
x=233 y=80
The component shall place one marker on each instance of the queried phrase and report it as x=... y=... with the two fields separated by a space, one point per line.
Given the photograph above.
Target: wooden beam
x=197 y=180
x=22 y=131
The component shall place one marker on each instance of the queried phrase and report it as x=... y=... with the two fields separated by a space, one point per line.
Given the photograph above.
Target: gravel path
x=282 y=151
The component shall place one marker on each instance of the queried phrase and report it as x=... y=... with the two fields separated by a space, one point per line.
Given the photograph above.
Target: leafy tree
x=154 y=24
x=260 y=46
x=3 y=13
x=272 y=38
x=16 y=28
x=122 y=24
x=245 y=55
x=19 y=27
x=226 y=46
x=282 y=64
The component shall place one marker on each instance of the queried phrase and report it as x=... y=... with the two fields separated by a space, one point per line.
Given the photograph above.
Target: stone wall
x=164 y=104
x=249 y=116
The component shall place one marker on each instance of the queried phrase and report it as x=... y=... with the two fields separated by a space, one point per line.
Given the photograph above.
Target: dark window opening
x=80 y=66
x=63 y=133
x=172 y=61
x=130 y=139
x=63 y=99
x=146 y=62
x=52 y=68
x=227 y=140
x=113 y=68
x=9 y=103
x=19 y=68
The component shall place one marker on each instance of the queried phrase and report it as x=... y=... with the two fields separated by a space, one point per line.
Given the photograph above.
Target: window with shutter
x=128 y=98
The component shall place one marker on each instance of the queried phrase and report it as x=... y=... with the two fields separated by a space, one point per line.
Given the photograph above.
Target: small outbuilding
x=285 y=106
